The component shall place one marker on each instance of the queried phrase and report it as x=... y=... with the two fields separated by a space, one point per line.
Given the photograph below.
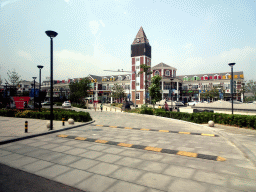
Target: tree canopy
x=117 y=91
x=155 y=89
x=13 y=78
x=79 y=90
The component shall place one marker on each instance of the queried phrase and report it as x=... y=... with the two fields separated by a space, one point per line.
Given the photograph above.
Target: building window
x=137 y=75
x=185 y=78
x=196 y=78
x=137 y=67
x=137 y=96
x=128 y=77
x=137 y=59
x=137 y=84
x=156 y=72
x=120 y=78
x=167 y=73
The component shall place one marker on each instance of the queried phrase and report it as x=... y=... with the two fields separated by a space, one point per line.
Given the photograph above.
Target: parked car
x=178 y=103
x=66 y=104
x=192 y=103
x=46 y=103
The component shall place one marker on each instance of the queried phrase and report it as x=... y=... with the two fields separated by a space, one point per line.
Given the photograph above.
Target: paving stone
x=96 y=183
x=84 y=164
x=12 y=148
x=127 y=174
x=38 y=153
x=215 y=188
x=76 y=151
x=210 y=177
x=174 y=159
x=73 y=177
x=129 y=162
x=185 y=185
x=22 y=161
x=242 y=184
x=114 y=150
x=131 y=153
x=49 y=146
x=36 y=166
x=155 y=180
x=3 y=152
x=73 y=143
x=61 y=148
x=38 y=143
x=52 y=171
x=65 y=160
x=104 y=168
x=26 y=149
x=52 y=155
x=91 y=154
x=97 y=147
x=126 y=187
x=200 y=164
x=251 y=173
x=232 y=170
x=8 y=158
x=153 y=166
x=178 y=171
x=109 y=158
x=151 y=156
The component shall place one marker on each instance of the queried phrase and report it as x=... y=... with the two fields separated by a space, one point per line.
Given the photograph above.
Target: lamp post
x=51 y=34
x=243 y=91
x=231 y=65
x=171 y=92
x=40 y=67
x=34 y=92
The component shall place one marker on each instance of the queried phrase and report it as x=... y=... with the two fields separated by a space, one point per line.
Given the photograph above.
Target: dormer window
x=205 y=77
x=185 y=78
x=167 y=73
x=196 y=78
x=120 y=78
x=157 y=73
x=128 y=77
x=227 y=75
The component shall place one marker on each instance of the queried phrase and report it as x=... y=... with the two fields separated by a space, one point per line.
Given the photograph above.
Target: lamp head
x=40 y=66
x=34 y=78
x=231 y=64
x=51 y=34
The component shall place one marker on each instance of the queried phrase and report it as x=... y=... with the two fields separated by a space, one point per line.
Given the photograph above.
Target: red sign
x=19 y=101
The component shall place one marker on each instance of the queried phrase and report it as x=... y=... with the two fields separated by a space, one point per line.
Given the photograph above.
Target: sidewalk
x=14 y=128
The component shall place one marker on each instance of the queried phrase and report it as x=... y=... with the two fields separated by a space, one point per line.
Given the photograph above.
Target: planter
x=211 y=124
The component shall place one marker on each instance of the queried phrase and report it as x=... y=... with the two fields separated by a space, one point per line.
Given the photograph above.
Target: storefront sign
x=189 y=92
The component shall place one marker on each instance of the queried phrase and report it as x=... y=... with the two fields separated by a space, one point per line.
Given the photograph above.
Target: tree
x=79 y=90
x=250 y=87
x=155 y=89
x=13 y=77
x=147 y=72
x=117 y=91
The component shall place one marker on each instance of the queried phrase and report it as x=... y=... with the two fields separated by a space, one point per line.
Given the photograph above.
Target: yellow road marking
x=211 y=135
x=113 y=126
x=101 y=141
x=80 y=138
x=164 y=131
x=144 y=129
x=99 y=125
x=62 y=136
x=128 y=128
x=221 y=159
x=184 y=132
x=124 y=144
x=153 y=149
x=188 y=154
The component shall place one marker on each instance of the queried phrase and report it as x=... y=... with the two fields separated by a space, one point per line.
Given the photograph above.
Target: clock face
x=138 y=40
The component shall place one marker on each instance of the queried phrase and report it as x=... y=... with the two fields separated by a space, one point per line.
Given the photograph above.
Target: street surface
x=95 y=166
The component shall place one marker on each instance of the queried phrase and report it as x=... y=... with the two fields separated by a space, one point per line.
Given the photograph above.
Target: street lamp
x=40 y=67
x=51 y=34
x=171 y=92
x=231 y=65
x=243 y=91
x=34 y=92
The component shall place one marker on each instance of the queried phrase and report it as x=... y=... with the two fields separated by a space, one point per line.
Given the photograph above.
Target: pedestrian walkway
x=13 y=128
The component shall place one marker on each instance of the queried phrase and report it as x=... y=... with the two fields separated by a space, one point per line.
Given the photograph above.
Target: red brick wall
x=141 y=75
x=133 y=61
x=133 y=84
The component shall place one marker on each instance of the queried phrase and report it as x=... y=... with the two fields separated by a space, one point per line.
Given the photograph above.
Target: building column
x=162 y=89
x=177 y=91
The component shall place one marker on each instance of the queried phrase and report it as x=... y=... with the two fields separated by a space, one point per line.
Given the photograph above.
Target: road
x=129 y=152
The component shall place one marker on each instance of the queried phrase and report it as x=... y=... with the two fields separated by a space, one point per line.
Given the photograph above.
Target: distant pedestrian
x=166 y=106
x=101 y=107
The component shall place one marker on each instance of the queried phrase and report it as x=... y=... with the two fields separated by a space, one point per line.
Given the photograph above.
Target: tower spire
x=140 y=37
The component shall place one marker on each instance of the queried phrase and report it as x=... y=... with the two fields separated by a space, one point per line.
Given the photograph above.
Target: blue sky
x=193 y=36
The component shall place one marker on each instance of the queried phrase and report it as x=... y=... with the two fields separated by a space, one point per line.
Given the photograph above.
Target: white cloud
x=103 y=24
x=8 y=2
x=94 y=26
x=25 y=55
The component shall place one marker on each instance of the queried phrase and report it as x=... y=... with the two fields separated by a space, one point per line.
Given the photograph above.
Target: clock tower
x=140 y=54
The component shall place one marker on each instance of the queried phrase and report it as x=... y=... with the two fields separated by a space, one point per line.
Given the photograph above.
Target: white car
x=66 y=104
x=192 y=103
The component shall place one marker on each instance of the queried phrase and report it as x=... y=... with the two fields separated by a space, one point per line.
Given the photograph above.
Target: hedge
x=202 y=117
x=58 y=114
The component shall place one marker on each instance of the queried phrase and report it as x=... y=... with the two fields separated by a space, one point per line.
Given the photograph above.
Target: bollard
x=63 y=121
x=106 y=108
x=110 y=109
x=26 y=126
x=115 y=109
x=121 y=109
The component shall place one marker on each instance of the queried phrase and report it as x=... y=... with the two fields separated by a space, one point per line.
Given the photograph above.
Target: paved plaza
x=96 y=165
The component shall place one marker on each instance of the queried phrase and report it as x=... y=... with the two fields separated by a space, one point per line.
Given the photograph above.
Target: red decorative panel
x=58 y=81
x=210 y=77
x=63 y=81
x=133 y=61
x=133 y=68
x=206 y=78
x=141 y=60
x=215 y=77
x=133 y=76
x=202 y=78
x=133 y=84
x=219 y=77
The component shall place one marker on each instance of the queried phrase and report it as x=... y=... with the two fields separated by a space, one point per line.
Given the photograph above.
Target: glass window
x=137 y=96
x=137 y=67
x=156 y=72
x=167 y=73
x=137 y=84
x=137 y=59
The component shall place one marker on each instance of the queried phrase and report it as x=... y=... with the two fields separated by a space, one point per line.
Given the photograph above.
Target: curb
x=41 y=134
